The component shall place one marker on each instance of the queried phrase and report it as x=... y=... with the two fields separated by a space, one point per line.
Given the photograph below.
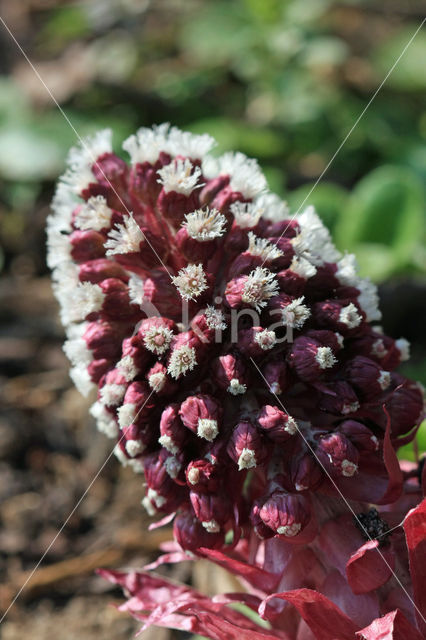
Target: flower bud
x=159 y=380
x=339 y=315
x=405 y=405
x=173 y=433
x=104 y=338
x=276 y=424
x=95 y=271
x=338 y=455
x=246 y=446
x=202 y=475
x=231 y=374
x=338 y=398
x=306 y=473
x=202 y=414
x=367 y=377
x=310 y=359
x=112 y=388
x=277 y=375
x=192 y=536
x=86 y=245
x=360 y=435
x=286 y=514
x=256 y=341
x=212 y=510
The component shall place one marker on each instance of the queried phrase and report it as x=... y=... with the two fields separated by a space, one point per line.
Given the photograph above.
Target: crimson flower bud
x=338 y=398
x=277 y=424
x=202 y=475
x=405 y=405
x=174 y=205
x=104 y=338
x=137 y=404
x=159 y=380
x=112 y=388
x=191 y=535
x=87 y=245
x=212 y=510
x=306 y=473
x=341 y=315
x=285 y=513
x=173 y=433
x=338 y=455
x=231 y=374
x=211 y=188
x=291 y=282
x=95 y=271
x=256 y=341
x=246 y=446
x=201 y=414
x=277 y=376
x=260 y=528
x=368 y=378
x=163 y=494
x=360 y=435
x=310 y=359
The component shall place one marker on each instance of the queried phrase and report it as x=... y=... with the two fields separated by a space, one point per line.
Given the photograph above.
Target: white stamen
x=347 y=268
x=266 y=339
x=384 y=380
x=325 y=357
x=147 y=144
x=275 y=388
x=349 y=468
x=272 y=207
x=350 y=407
x=215 y=318
x=340 y=339
x=172 y=466
x=126 y=414
x=236 y=388
x=207 y=429
x=87 y=298
x=124 y=238
x=168 y=444
x=289 y=530
x=303 y=267
x=211 y=526
x=263 y=248
x=77 y=352
x=246 y=214
x=82 y=380
x=191 y=281
x=157 y=339
x=296 y=313
x=112 y=394
x=128 y=368
x=291 y=426
x=134 y=447
x=403 y=347
x=105 y=422
x=349 y=316
x=247 y=459
x=193 y=475
x=368 y=299
x=94 y=214
x=136 y=285
x=378 y=348
x=181 y=360
x=157 y=381
x=193 y=145
x=245 y=174
x=205 y=224
x=259 y=287
x=179 y=176
x=314 y=241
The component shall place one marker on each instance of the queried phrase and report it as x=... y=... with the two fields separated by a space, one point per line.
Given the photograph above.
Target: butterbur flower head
x=230 y=344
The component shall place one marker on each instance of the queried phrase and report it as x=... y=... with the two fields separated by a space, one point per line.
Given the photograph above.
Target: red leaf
x=415 y=533
x=396 y=477
x=369 y=567
x=258 y=578
x=392 y=626
x=325 y=619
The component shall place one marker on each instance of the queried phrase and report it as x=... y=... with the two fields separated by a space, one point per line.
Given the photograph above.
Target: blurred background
x=281 y=80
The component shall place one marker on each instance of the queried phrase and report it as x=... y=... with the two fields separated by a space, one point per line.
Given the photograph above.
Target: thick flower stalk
x=235 y=353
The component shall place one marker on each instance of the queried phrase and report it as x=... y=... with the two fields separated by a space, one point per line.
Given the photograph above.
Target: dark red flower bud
x=112 y=388
x=338 y=455
x=231 y=374
x=137 y=404
x=277 y=424
x=306 y=473
x=104 y=338
x=97 y=270
x=405 y=405
x=368 y=378
x=212 y=510
x=277 y=375
x=338 y=398
x=246 y=446
x=256 y=341
x=202 y=414
x=163 y=494
x=340 y=315
x=291 y=282
x=202 y=475
x=159 y=291
x=211 y=188
x=191 y=535
x=260 y=528
x=309 y=358
x=159 y=380
x=173 y=433
x=286 y=514
x=87 y=245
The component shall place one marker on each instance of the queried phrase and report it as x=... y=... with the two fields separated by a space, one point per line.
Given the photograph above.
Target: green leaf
x=409 y=74
x=385 y=210
x=328 y=199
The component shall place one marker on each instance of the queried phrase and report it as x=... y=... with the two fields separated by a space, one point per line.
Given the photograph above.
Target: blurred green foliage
x=281 y=80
